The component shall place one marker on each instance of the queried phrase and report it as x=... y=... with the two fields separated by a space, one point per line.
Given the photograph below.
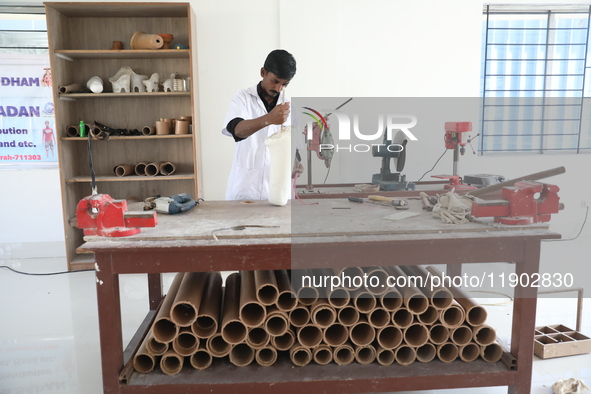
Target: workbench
x=343 y=234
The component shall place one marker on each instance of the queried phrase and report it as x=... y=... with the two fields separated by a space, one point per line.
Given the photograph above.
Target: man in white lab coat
x=254 y=114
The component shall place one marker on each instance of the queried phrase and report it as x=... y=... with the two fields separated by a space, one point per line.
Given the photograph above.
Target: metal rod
x=511 y=182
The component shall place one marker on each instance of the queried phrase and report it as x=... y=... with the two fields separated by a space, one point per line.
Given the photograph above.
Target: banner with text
x=27 y=135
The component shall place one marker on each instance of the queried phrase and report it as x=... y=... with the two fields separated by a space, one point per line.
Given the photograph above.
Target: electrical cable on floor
x=577 y=236
x=432 y=168
x=43 y=274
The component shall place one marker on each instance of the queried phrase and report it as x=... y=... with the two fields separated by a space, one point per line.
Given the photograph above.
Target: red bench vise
x=520 y=205
x=102 y=215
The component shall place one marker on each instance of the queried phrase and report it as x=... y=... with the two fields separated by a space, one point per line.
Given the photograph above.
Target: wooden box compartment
x=559 y=341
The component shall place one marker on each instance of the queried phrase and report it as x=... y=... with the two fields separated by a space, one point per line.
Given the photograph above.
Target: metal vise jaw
x=520 y=205
x=111 y=218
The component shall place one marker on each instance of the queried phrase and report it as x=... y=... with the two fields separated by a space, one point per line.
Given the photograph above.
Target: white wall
x=344 y=48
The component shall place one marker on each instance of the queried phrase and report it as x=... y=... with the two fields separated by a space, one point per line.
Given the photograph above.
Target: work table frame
x=155 y=252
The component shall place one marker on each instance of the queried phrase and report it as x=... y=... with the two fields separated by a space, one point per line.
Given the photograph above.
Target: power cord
x=432 y=168
x=42 y=274
x=577 y=236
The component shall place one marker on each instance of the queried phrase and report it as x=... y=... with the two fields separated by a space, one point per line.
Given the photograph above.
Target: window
x=536 y=79
x=23 y=30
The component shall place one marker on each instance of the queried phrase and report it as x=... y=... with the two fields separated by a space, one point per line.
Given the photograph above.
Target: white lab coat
x=249 y=177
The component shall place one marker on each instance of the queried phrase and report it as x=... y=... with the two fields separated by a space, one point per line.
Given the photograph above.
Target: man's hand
x=279 y=114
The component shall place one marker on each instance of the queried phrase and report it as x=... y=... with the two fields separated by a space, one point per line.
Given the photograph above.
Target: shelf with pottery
x=71 y=54
x=65 y=96
x=136 y=178
x=131 y=137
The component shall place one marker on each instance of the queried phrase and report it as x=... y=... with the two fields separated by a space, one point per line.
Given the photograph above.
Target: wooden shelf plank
x=99 y=10
x=130 y=178
x=66 y=96
x=131 y=137
x=123 y=54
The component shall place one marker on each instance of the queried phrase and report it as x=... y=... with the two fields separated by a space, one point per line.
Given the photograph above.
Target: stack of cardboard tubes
x=260 y=314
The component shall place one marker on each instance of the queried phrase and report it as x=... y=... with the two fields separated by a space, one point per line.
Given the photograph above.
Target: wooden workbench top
x=332 y=220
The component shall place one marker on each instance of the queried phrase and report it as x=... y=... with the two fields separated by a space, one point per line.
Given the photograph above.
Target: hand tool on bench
x=385 y=201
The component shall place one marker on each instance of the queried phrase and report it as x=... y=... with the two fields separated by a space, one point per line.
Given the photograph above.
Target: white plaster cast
x=152 y=83
x=95 y=84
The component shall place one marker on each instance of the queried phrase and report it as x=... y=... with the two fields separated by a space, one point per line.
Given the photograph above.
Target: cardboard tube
x=242 y=355
x=335 y=335
x=322 y=313
x=426 y=353
x=413 y=298
x=185 y=343
x=164 y=329
x=97 y=132
x=338 y=297
x=201 y=359
x=440 y=297
x=491 y=353
x=162 y=127
x=405 y=355
x=389 y=337
x=391 y=300
x=148 y=130
x=461 y=335
x=416 y=335
x=365 y=354
x=309 y=336
x=252 y=312
x=447 y=352
x=385 y=356
x=286 y=300
x=257 y=337
x=469 y=352
x=140 y=168
x=300 y=355
x=438 y=334
x=484 y=335
x=343 y=354
x=266 y=287
x=362 y=333
x=363 y=300
x=306 y=293
x=453 y=316
x=402 y=318
x=217 y=346
x=153 y=169
x=72 y=131
x=430 y=316
x=348 y=315
x=124 y=169
x=378 y=317
x=376 y=282
x=171 y=363
x=143 y=361
x=475 y=314
x=167 y=168
x=208 y=315
x=322 y=355
x=154 y=347
x=347 y=276
x=73 y=87
x=299 y=316
x=188 y=298
x=181 y=126
x=277 y=322
x=233 y=330
x=266 y=356
x=284 y=342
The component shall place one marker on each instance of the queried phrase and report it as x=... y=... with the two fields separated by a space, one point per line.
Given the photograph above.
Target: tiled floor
x=49 y=336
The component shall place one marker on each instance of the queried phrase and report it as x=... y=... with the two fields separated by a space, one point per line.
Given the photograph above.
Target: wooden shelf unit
x=80 y=35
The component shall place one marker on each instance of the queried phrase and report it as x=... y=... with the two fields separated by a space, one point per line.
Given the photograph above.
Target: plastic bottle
x=82 y=129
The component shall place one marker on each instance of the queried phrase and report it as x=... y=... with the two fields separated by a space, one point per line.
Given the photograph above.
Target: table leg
x=109 y=317
x=154 y=290
x=524 y=319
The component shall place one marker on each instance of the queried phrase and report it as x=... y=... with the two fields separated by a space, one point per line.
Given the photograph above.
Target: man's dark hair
x=281 y=63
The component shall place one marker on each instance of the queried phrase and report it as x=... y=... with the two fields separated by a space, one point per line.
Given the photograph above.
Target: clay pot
x=117 y=46
x=141 y=40
x=167 y=39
